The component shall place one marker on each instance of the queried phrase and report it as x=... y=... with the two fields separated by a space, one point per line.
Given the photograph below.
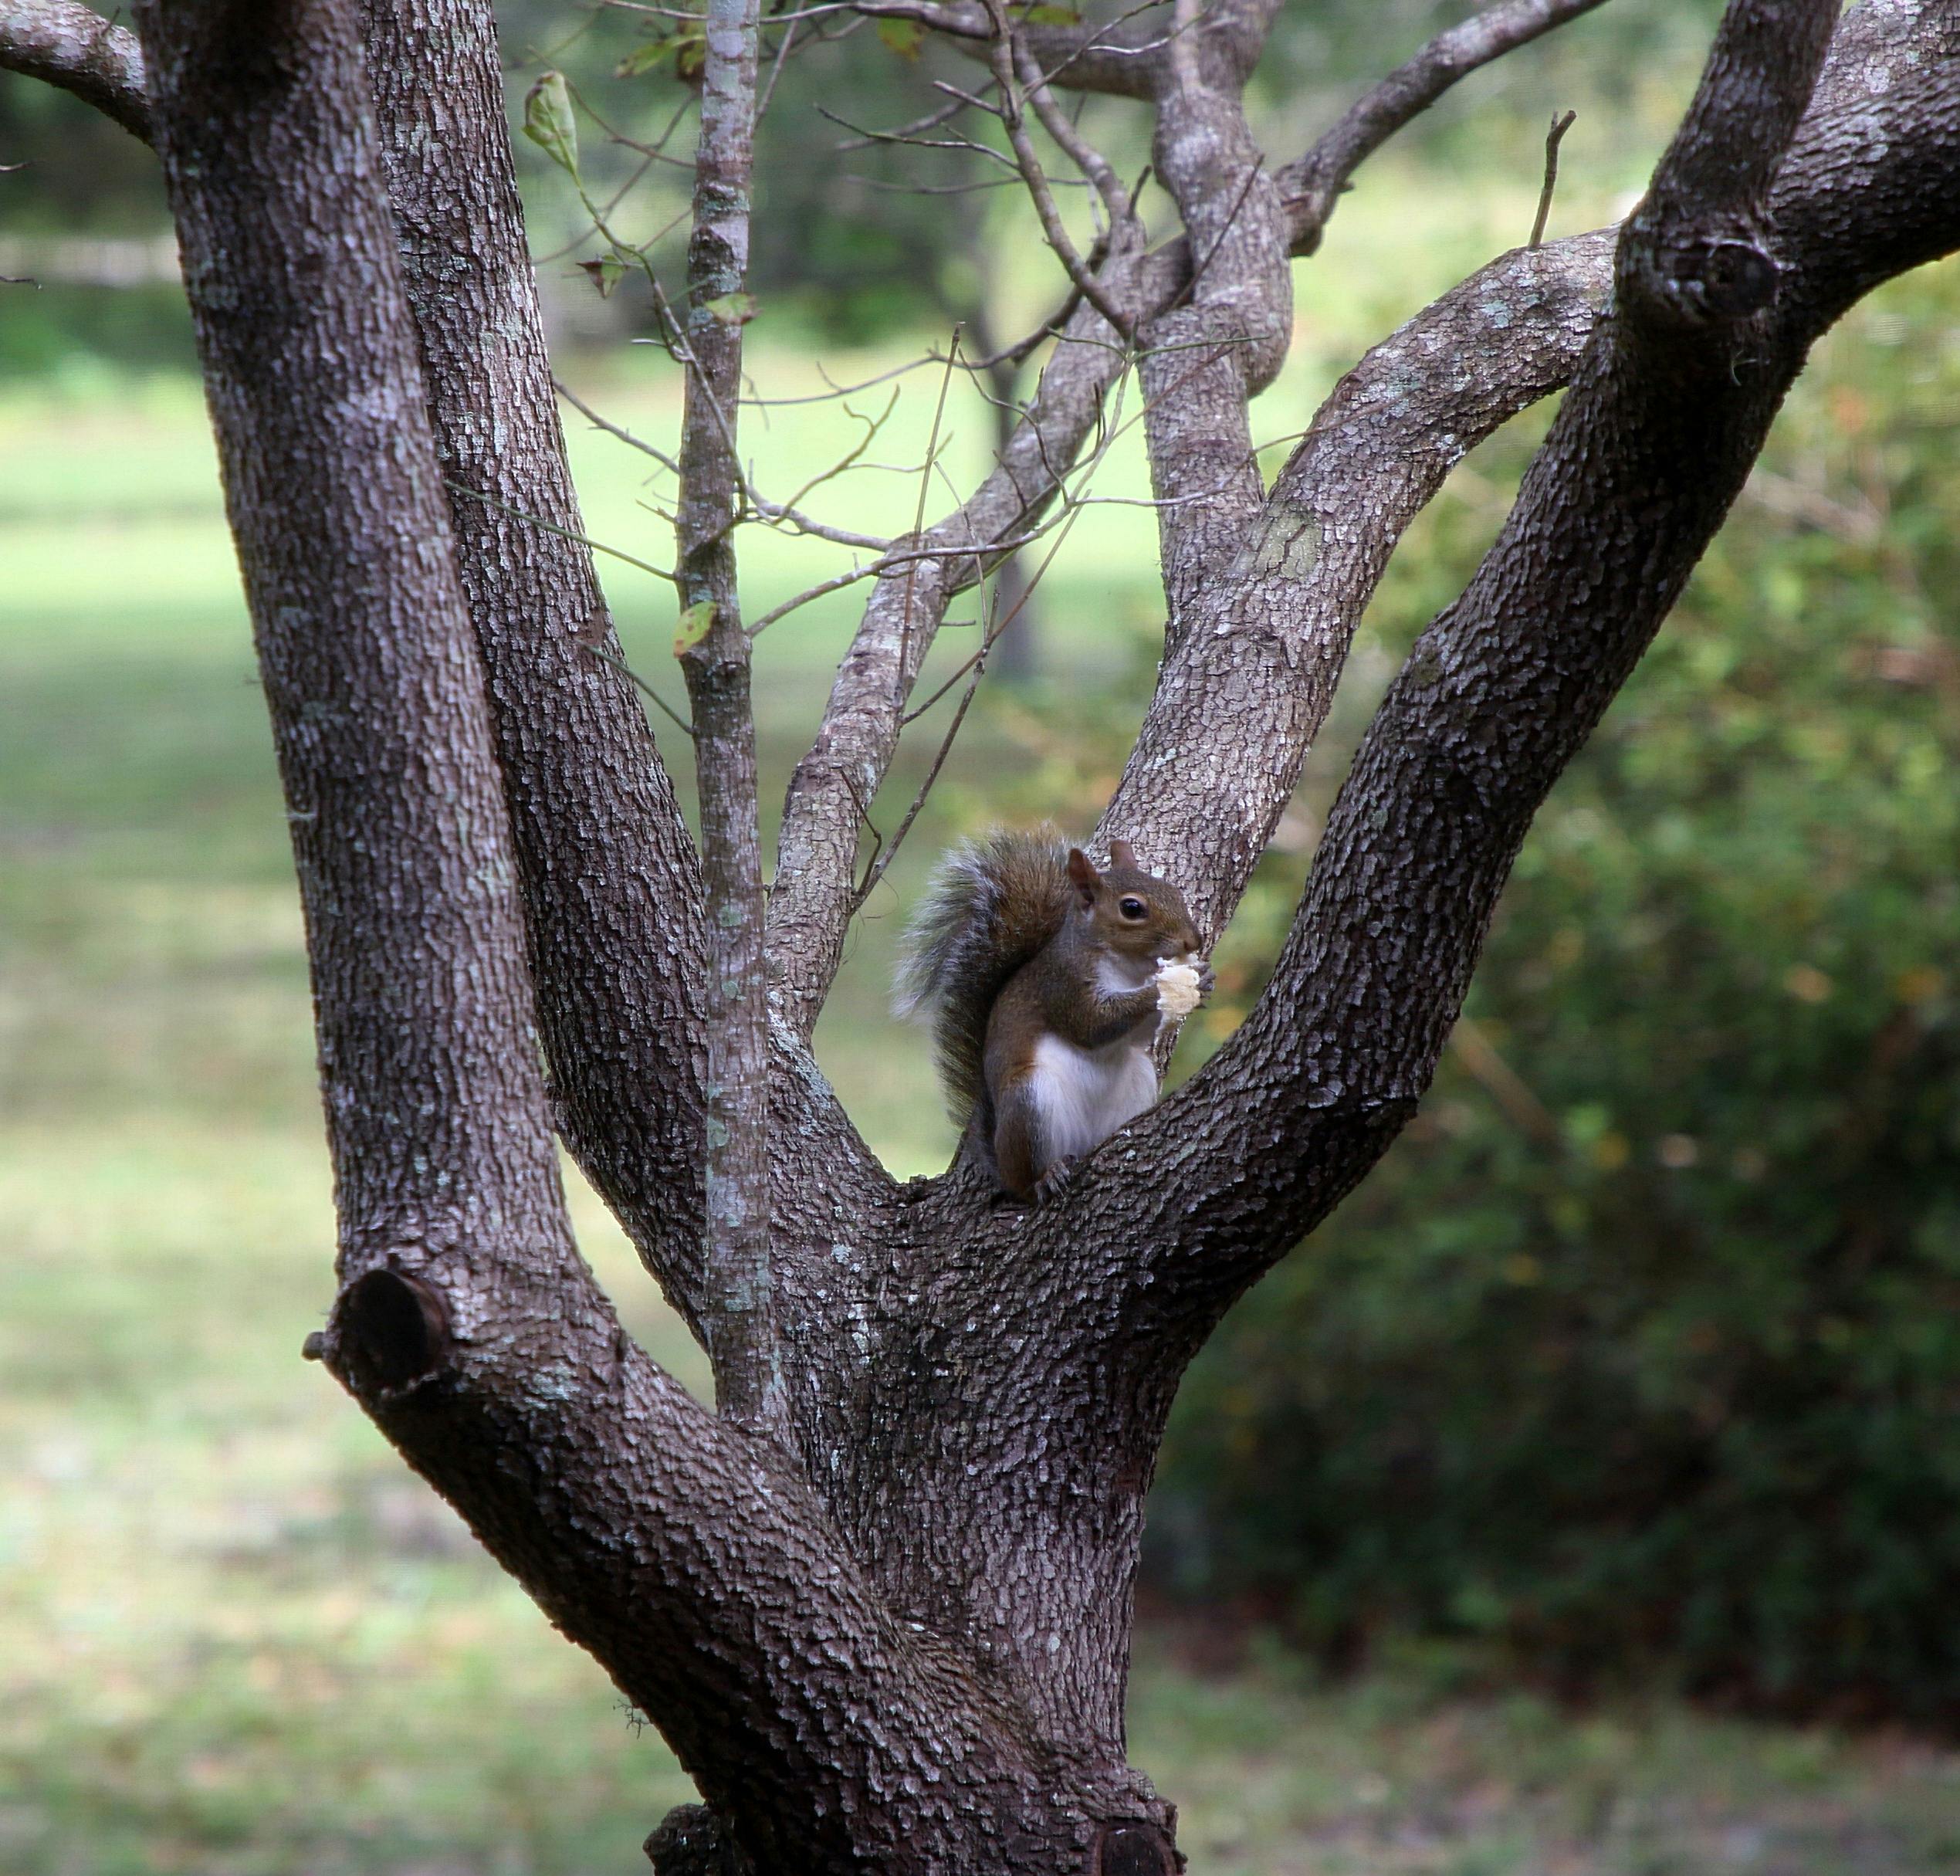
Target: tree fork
x=713 y=1589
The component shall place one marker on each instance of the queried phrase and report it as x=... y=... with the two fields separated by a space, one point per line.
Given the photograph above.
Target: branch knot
x=1700 y=277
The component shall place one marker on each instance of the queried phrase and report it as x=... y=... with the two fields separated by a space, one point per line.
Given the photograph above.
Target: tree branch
x=1013 y=120
x=703 y=1574
x=1209 y=355
x=811 y=901
x=714 y=655
x=1245 y=687
x=1117 y=57
x=1664 y=418
x=77 y=50
x=1311 y=185
x=611 y=886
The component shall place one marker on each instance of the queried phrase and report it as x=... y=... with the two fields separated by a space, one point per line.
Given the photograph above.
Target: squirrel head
x=1128 y=911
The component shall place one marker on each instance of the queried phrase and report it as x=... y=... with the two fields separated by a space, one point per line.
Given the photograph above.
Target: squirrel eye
x=1132 y=909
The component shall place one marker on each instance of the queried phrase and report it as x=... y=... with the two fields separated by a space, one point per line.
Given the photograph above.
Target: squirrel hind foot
x=1054 y=1183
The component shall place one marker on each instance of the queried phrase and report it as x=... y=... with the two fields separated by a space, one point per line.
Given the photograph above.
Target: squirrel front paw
x=1179 y=987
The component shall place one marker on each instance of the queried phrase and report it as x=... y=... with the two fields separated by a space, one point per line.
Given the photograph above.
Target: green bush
x=1640 y=1355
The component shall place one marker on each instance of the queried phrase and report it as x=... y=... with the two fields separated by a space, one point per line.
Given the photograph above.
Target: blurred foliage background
x=1632 y=1372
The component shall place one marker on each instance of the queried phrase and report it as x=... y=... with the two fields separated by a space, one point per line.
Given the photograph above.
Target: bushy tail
x=992 y=903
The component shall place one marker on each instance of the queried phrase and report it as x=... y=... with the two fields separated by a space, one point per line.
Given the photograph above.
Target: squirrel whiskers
x=1047 y=982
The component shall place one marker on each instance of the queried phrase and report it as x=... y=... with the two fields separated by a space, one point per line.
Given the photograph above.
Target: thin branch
x=1013 y=121
x=612 y=429
x=563 y=534
x=979 y=186
x=1311 y=186
x=905 y=133
x=741 y=1318
x=1086 y=157
x=1553 y=137
x=640 y=684
x=881 y=859
x=965 y=146
x=835 y=391
x=842 y=466
x=1103 y=57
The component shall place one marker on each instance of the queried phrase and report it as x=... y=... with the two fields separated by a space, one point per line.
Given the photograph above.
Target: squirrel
x=1047 y=982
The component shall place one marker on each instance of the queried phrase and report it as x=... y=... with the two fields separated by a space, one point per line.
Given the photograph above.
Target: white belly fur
x=1083 y=1095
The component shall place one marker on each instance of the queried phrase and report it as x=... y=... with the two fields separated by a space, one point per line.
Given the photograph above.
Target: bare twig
x=1086 y=157
x=919 y=515
x=564 y=533
x=1311 y=185
x=645 y=690
x=882 y=857
x=1013 y=120
x=905 y=132
x=1553 y=137
x=613 y=429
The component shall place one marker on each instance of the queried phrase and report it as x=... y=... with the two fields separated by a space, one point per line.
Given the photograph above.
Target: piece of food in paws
x=1178 y=989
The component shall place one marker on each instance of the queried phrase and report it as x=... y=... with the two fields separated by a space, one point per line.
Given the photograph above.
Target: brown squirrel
x=1047 y=981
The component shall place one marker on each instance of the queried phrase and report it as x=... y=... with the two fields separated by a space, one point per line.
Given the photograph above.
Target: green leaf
x=691 y=627
x=686 y=44
x=549 y=122
x=731 y=309
x=605 y=275
x=690 y=54
x=903 y=36
x=1047 y=13
x=643 y=59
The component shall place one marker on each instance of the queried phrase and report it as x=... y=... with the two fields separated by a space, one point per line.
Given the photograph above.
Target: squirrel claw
x=1053 y=1182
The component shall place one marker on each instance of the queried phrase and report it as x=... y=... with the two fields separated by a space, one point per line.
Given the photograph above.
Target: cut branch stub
x=389 y=1329
x=1134 y=1850
x=688 y=1842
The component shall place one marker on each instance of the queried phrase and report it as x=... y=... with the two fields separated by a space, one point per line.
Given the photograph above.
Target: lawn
x=237 y=1636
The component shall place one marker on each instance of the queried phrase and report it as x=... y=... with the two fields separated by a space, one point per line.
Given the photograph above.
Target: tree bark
x=601 y=849
x=714 y=654
x=77 y=50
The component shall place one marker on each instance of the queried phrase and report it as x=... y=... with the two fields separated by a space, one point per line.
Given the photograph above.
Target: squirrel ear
x=1082 y=874
x=1122 y=854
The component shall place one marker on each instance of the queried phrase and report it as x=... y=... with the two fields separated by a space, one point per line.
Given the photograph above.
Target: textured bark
x=702 y=1572
x=605 y=857
x=1206 y=358
x=1255 y=651
x=77 y=50
x=741 y=1312
x=892 y=1634
x=1669 y=408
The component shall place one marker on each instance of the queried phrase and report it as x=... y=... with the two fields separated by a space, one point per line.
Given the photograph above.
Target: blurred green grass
x=236 y=1635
